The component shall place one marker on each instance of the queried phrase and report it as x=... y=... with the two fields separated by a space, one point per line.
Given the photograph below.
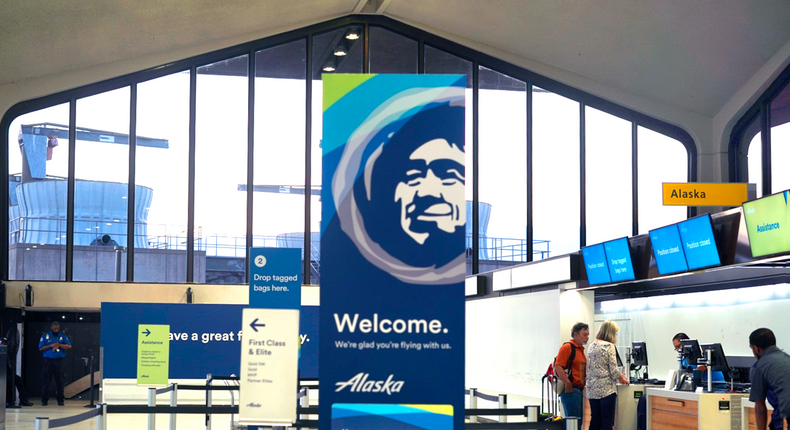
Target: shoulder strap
x=569 y=367
x=573 y=355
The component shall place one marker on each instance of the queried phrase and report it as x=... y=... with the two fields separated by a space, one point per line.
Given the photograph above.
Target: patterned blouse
x=602 y=372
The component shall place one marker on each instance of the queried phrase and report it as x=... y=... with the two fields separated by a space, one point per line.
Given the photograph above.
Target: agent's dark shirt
x=773 y=368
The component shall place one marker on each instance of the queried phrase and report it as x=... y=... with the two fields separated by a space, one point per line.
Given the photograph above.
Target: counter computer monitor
x=718 y=359
x=668 y=250
x=639 y=353
x=690 y=350
x=767 y=224
x=595 y=264
x=699 y=242
x=618 y=257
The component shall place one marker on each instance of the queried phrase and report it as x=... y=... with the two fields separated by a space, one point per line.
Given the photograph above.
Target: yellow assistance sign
x=704 y=194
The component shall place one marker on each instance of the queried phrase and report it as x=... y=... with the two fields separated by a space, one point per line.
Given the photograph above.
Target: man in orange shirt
x=571 y=357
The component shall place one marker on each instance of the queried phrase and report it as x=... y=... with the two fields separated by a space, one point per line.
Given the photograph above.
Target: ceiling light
x=340 y=50
x=329 y=67
x=352 y=33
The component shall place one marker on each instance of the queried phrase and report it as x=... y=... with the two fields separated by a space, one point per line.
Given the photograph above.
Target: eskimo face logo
x=431 y=193
x=399 y=187
x=361 y=384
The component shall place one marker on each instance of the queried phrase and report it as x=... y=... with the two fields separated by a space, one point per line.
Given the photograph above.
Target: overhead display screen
x=767 y=224
x=668 y=250
x=595 y=264
x=699 y=243
x=618 y=257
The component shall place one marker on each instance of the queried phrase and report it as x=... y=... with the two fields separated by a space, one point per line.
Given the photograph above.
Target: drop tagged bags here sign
x=393 y=256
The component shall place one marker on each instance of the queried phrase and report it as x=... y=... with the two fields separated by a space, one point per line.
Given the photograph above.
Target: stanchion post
x=42 y=423
x=99 y=418
x=173 y=403
x=572 y=423
x=91 y=404
x=104 y=414
x=208 y=400
x=151 y=403
x=503 y=405
x=304 y=402
x=473 y=403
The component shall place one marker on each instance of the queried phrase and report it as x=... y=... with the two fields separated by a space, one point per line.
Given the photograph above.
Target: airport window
x=161 y=178
x=391 y=52
x=279 y=151
x=101 y=187
x=660 y=159
x=555 y=174
x=38 y=161
x=324 y=50
x=608 y=170
x=543 y=160
x=780 y=141
x=438 y=61
x=760 y=140
x=503 y=170
x=220 y=167
x=755 y=162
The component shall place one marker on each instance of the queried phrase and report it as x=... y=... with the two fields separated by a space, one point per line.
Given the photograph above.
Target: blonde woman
x=602 y=374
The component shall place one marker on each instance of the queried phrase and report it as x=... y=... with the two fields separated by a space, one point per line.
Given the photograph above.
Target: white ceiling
x=694 y=54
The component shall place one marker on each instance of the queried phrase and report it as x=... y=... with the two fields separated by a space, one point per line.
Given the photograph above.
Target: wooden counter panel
x=663 y=420
x=689 y=407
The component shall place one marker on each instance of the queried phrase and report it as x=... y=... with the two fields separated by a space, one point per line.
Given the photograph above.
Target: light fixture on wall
x=29 y=297
x=190 y=295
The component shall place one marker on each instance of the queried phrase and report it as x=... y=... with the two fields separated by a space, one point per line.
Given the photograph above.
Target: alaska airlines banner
x=393 y=260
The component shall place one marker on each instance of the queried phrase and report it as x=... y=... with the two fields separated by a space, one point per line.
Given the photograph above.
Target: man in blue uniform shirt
x=53 y=345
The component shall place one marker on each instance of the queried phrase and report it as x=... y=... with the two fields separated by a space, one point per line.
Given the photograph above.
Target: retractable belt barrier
x=303 y=411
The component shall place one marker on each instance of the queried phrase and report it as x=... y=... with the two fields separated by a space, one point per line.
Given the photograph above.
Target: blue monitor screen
x=595 y=264
x=699 y=242
x=668 y=250
x=618 y=255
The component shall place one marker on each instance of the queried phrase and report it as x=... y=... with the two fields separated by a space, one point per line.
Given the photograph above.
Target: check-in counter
x=747 y=415
x=683 y=410
x=627 y=401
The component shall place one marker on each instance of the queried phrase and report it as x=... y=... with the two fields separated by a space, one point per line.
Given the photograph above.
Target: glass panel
x=660 y=159
x=780 y=141
x=391 y=52
x=221 y=171
x=503 y=170
x=161 y=178
x=279 y=169
x=38 y=166
x=351 y=63
x=441 y=62
x=755 y=163
x=555 y=167
x=608 y=183
x=101 y=187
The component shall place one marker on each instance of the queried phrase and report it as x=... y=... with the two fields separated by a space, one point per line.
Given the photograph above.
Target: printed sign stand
x=153 y=354
x=269 y=349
